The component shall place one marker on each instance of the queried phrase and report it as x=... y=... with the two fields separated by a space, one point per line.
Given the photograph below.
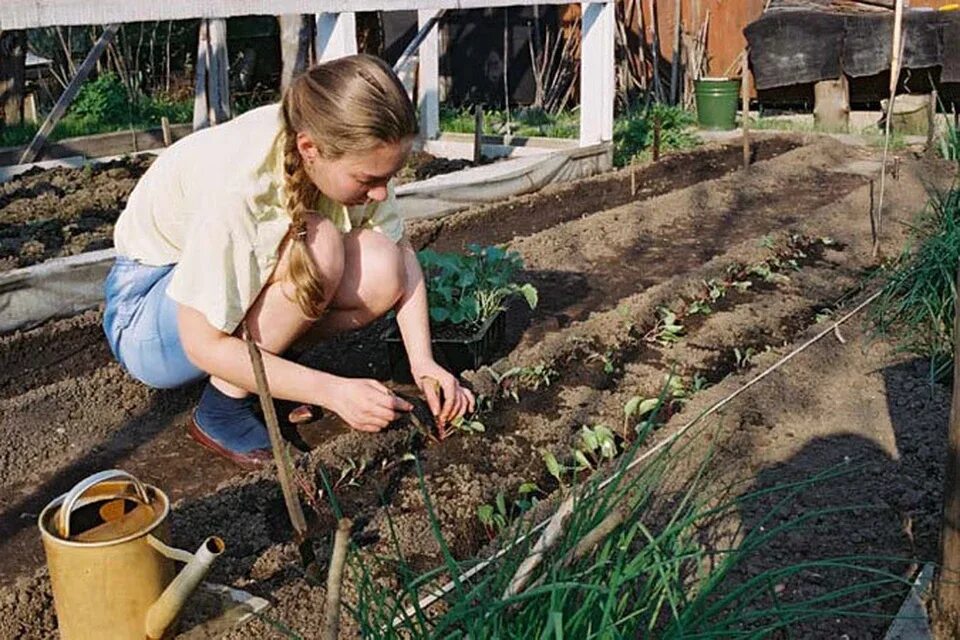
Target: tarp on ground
x=799 y=46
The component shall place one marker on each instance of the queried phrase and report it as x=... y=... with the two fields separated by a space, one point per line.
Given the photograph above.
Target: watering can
x=112 y=572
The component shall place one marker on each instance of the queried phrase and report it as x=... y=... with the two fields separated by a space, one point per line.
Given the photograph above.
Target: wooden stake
x=167 y=135
x=280 y=454
x=60 y=108
x=331 y=612
x=745 y=97
x=947 y=587
x=657 y=125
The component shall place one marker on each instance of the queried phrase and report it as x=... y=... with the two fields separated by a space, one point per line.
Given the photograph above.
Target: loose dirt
x=792 y=233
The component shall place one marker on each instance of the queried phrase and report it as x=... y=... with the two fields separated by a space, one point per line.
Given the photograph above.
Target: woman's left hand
x=446 y=397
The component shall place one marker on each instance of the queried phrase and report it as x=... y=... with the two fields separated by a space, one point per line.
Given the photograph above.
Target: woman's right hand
x=367 y=405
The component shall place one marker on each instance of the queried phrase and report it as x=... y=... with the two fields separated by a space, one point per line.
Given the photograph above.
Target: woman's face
x=355 y=178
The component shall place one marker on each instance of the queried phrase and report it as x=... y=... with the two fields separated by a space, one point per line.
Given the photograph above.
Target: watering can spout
x=166 y=608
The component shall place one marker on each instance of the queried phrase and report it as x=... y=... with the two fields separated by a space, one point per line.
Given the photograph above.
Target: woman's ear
x=308 y=150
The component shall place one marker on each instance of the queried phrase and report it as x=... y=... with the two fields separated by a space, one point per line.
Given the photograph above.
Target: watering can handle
x=88 y=483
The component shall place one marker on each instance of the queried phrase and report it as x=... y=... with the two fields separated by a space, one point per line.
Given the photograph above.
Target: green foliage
x=919 y=293
x=633 y=132
x=469 y=289
x=103 y=105
x=657 y=573
x=528 y=121
x=102 y=100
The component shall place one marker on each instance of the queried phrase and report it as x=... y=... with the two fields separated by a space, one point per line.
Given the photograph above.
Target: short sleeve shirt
x=213 y=204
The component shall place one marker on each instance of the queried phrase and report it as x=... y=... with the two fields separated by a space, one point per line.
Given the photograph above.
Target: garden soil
x=789 y=242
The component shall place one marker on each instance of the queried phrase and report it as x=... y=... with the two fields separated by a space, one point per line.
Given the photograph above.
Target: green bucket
x=717 y=103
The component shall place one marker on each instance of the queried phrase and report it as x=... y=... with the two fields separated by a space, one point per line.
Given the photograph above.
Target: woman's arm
x=364 y=404
x=414 y=322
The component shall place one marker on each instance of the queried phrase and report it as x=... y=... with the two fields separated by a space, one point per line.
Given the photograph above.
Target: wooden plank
x=30 y=14
x=100 y=145
x=69 y=94
x=831 y=105
x=597 y=83
x=428 y=77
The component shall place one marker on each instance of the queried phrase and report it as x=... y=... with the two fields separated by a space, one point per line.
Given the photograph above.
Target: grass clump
x=526 y=121
x=949 y=146
x=916 y=307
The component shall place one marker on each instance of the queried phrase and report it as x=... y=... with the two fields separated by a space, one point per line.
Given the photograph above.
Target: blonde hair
x=347 y=105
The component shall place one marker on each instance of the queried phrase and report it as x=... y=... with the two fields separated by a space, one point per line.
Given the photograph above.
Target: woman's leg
x=364 y=268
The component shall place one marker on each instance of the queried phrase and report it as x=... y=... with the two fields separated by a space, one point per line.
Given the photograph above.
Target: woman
x=282 y=220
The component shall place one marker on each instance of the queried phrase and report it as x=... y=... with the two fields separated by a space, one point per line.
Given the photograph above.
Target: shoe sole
x=258 y=459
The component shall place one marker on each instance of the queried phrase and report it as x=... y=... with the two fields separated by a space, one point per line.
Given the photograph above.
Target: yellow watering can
x=113 y=574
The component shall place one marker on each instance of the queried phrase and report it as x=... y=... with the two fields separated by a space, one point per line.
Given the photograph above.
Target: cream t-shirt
x=213 y=204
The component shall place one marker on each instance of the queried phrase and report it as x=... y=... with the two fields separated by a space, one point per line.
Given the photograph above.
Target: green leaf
x=530 y=294
x=647 y=406
x=589 y=438
x=501 y=504
x=553 y=467
x=439 y=314
x=485 y=514
x=528 y=487
x=581 y=459
x=632 y=405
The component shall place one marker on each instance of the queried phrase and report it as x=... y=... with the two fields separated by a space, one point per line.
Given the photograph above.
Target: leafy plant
x=633 y=132
x=494 y=516
x=471 y=288
x=667 y=330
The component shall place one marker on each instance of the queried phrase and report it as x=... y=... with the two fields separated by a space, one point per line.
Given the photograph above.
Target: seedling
x=350 y=474
x=468 y=425
x=511 y=380
x=743 y=358
x=493 y=517
x=596 y=444
x=699 y=306
x=637 y=407
x=667 y=330
x=607 y=359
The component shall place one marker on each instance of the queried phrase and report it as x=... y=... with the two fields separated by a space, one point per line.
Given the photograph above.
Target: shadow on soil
x=877 y=507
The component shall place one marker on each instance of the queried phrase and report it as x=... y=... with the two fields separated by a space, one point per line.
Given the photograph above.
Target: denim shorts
x=140 y=321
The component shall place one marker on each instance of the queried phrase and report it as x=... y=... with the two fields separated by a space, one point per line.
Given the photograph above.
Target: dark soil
x=603 y=273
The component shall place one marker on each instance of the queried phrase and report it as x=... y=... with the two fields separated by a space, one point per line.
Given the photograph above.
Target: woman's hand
x=366 y=405
x=446 y=397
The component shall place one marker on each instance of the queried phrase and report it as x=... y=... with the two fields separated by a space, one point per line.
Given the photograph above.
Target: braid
x=308 y=293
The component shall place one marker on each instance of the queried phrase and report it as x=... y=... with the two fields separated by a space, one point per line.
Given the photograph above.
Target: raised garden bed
x=745 y=263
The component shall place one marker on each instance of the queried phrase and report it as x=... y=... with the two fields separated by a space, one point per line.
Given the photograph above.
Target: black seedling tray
x=454 y=354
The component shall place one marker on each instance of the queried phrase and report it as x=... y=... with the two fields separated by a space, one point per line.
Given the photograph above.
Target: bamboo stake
x=165 y=127
x=948 y=578
x=745 y=97
x=896 y=55
x=547 y=540
x=331 y=612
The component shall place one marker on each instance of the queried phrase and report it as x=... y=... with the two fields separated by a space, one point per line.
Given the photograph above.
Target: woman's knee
x=374 y=276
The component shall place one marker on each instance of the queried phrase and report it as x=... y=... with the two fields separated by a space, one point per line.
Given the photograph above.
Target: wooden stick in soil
x=477 y=134
x=331 y=612
x=745 y=98
x=947 y=587
x=547 y=540
x=896 y=55
x=675 y=64
x=280 y=454
x=656 y=136
x=165 y=127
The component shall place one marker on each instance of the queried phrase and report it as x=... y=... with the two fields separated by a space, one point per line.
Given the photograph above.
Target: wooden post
x=30 y=154
x=211 y=104
x=745 y=98
x=336 y=35
x=675 y=66
x=428 y=76
x=947 y=588
x=831 y=105
x=165 y=127
x=478 y=134
x=296 y=45
x=657 y=126
x=13 y=54
x=597 y=82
